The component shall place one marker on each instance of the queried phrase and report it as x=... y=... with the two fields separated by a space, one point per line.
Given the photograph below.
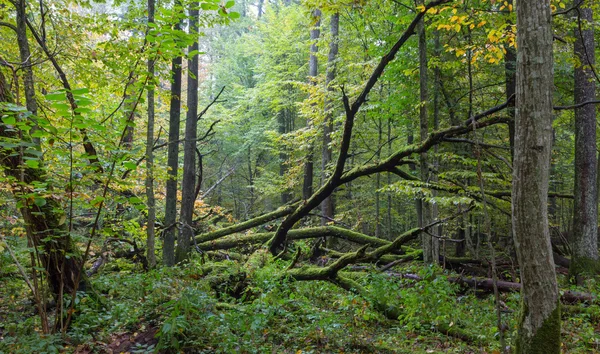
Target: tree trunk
x=326 y=154
x=539 y=326
x=172 y=159
x=283 y=156
x=585 y=205
x=150 y=154
x=313 y=66
x=44 y=218
x=424 y=210
x=188 y=184
x=25 y=56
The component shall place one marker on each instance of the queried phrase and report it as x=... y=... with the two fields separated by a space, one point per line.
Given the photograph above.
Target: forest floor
x=251 y=307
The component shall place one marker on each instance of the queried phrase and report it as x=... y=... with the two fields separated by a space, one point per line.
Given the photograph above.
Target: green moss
x=546 y=339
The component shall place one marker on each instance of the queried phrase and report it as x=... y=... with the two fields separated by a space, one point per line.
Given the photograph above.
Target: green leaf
x=135 y=200
x=80 y=91
x=234 y=15
x=229 y=4
x=9 y=120
x=56 y=96
x=39 y=201
x=32 y=163
x=208 y=6
x=130 y=165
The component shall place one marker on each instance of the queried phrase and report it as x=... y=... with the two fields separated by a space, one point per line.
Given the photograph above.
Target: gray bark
x=327 y=204
x=150 y=155
x=25 y=56
x=585 y=219
x=313 y=67
x=430 y=246
x=539 y=327
x=188 y=184
x=172 y=160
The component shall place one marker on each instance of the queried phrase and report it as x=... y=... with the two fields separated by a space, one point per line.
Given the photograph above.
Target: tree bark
x=25 y=56
x=430 y=245
x=172 y=159
x=151 y=202
x=188 y=184
x=313 y=67
x=326 y=154
x=539 y=325
x=585 y=206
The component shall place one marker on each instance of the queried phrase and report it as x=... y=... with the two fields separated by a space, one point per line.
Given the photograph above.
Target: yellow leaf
x=432 y=11
x=472 y=25
x=561 y=5
x=481 y=24
x=457 y=28
x=510 y=7
x=421 y=8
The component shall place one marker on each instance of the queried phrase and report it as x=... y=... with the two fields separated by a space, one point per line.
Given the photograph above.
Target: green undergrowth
x=252 y=307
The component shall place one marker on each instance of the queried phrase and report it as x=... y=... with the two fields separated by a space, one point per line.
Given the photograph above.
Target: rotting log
x=298 y=234
x=248 y=224
x=486 y=284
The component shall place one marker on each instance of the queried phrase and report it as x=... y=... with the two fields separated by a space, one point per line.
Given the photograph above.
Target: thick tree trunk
x=150 y=154
x=539 y=327
x=44 y=220
x=313 y=67
x=188 y=184
x=172 y=159
x=326 y=154
x=585 y=207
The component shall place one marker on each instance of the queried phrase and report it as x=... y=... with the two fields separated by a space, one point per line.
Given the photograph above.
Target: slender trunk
x=283 y=156
x=260 y=8
x=326 y=154
x=424 y=210
x=378 y=181
x=313 y=66
x=389 y=181
x=150 y=155
x=188 y=184
x=172 y=159
x=539 y=325
x=585 y=206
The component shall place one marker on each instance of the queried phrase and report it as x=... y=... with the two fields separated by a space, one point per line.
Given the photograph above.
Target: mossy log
x=329 y=272
x=298 y=234
x=248 y=224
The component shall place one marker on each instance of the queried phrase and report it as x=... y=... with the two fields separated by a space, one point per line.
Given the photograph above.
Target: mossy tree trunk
x=539 y=325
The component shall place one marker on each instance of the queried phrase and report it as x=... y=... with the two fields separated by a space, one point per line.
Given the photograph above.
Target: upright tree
x=188 y=184
x=151 y=202
x=172 y=158
x=424 y=212
x=313 y=67
x=539 y=325
x=585 y=206
x=327 y=204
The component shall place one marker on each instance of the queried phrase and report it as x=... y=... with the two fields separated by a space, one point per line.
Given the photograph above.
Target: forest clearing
x=299 y=176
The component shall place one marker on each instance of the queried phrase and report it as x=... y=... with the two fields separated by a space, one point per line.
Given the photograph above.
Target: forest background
x=306 y=176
